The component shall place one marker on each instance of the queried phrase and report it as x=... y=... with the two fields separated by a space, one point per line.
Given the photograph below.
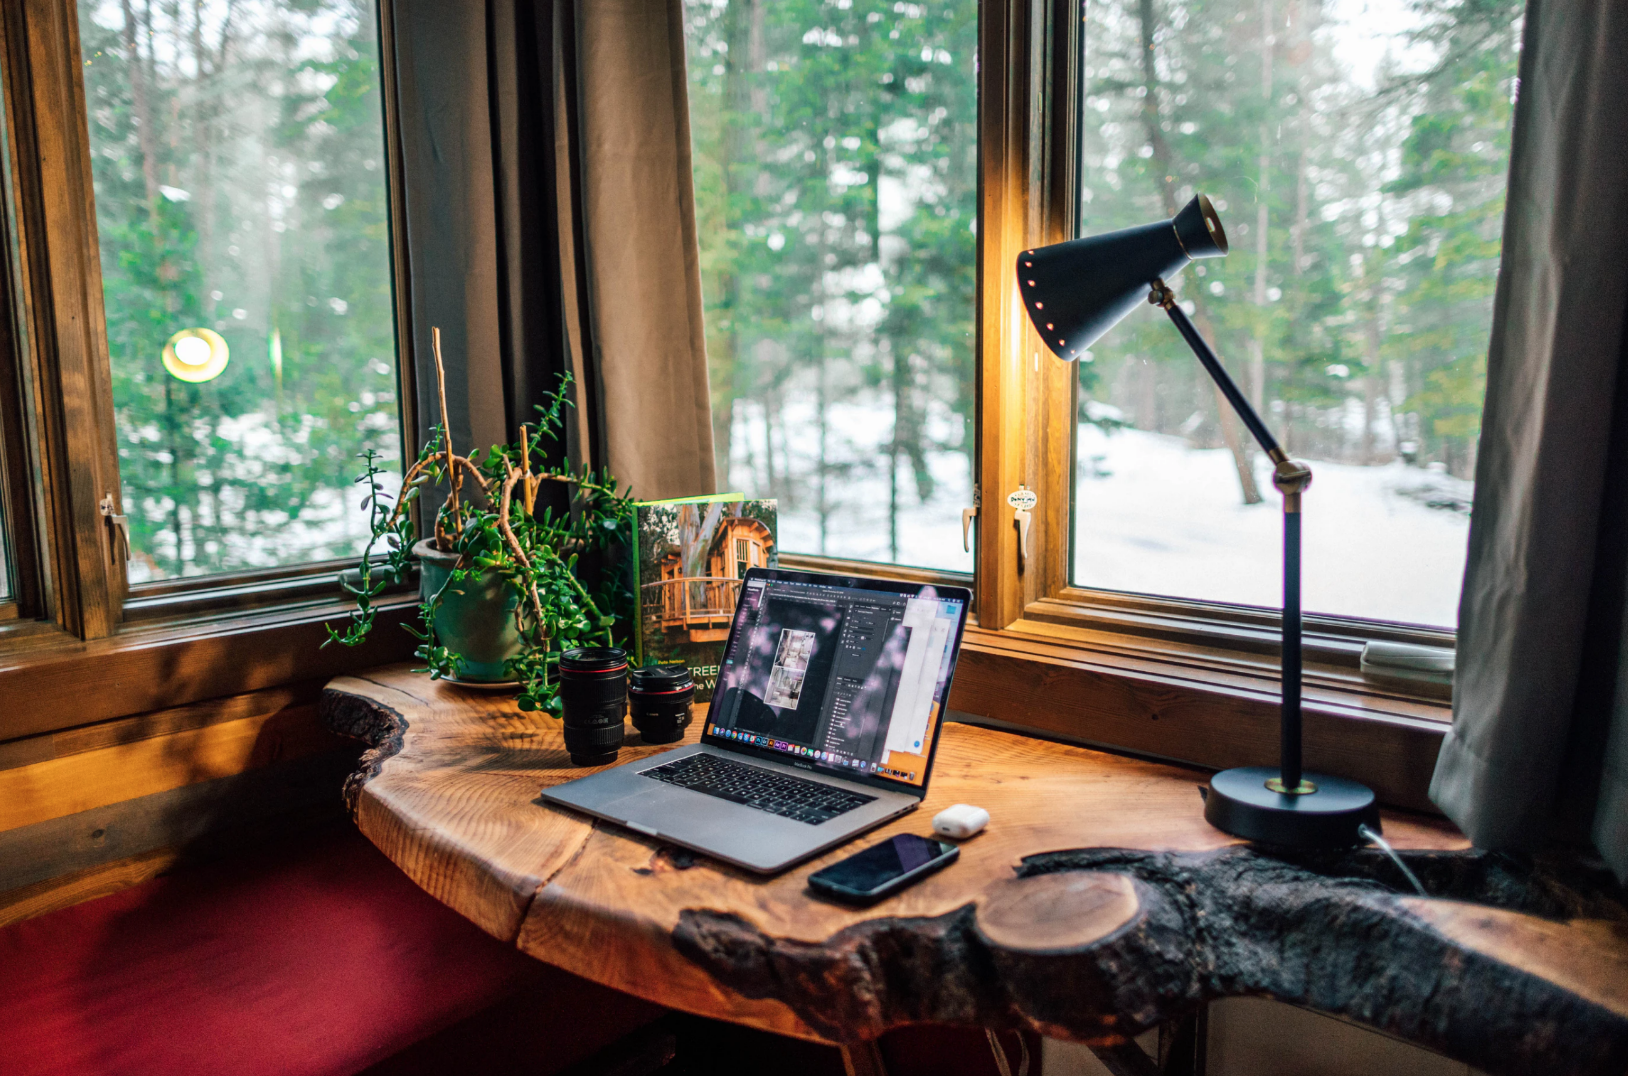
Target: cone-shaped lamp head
x=1076 y=291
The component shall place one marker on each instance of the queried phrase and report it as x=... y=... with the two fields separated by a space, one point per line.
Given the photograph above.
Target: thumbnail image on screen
x=790 y=665
x=847 y=678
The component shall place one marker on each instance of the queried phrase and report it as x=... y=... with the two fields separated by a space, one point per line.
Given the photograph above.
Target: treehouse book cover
x=689 y=557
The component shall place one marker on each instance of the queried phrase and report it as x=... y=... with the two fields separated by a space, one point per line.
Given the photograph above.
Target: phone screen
x=878 y=865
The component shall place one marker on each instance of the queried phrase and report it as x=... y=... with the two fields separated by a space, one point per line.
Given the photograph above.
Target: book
x=689 y=557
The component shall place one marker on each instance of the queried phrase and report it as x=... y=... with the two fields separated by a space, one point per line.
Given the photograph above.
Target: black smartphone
x=883 y=868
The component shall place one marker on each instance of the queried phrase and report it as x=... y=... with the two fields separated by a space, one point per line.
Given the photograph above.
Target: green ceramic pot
x=475 y=619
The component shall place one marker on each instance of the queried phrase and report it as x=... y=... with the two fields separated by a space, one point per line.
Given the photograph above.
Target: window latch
x=1022 y=501
x=967 y=516
x=118 y=524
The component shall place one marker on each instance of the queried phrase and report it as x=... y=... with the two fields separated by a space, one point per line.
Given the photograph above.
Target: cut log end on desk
x=1098 y=903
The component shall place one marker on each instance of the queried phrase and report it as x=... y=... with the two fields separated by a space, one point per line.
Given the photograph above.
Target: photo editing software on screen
x=846 y=678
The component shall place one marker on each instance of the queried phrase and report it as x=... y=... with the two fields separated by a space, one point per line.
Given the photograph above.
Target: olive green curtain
x=1539 y=744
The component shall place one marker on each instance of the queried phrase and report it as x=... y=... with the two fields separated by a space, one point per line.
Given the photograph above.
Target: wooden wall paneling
x=64 y=860
x=87 y=810
x=62 y=686
x=82 y=885
x=89 y=779
x=128 y=730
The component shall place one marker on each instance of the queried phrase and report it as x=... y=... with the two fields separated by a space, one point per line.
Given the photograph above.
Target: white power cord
x=1385 y=846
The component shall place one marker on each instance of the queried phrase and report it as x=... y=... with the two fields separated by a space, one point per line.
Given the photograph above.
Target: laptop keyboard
x=760 y=788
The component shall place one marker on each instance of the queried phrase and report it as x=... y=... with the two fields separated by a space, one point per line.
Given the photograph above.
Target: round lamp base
x=1239 y=802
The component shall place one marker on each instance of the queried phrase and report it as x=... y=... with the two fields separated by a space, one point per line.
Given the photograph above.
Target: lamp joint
x=1291 y=477
x=1161 y=295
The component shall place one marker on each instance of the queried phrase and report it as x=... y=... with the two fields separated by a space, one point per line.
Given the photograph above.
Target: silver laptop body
x=837 y=680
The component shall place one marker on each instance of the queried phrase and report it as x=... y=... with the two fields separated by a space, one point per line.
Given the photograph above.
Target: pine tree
x=803 y=111
x=238 y=163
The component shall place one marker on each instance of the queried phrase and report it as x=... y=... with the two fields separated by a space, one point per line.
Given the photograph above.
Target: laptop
x=823 y=724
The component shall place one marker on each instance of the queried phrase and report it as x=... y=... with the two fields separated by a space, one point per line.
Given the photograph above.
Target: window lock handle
x=1022 y=501
x=967 y=516
x=118 y=524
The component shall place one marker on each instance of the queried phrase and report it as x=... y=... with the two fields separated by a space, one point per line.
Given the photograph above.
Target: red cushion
x=313 y=957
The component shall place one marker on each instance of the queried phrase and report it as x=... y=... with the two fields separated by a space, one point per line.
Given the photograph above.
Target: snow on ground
x=857 y=496
x=1153 y=516
x=1168 y=519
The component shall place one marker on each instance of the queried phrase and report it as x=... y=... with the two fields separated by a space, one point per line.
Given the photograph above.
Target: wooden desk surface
x=1097 y=903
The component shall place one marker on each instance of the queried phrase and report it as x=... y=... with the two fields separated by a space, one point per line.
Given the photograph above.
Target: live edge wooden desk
x=1096 y=904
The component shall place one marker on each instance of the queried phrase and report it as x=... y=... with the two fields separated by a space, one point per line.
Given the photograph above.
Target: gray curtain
x=550 y=219
x=1539 y=744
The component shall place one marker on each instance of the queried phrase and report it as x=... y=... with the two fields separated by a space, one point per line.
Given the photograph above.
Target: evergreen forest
x=1357 y=153
x=239 y=168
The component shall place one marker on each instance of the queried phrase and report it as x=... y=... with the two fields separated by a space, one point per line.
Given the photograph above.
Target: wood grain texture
x=1587 y=956
x=128 y=730
x=88 y=884
x=265 y=798
x=1195 y=714
x=90 y=779
x=1097 y=904
x=43 y=679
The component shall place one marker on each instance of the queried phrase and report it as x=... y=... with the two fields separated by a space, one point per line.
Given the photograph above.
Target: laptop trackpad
x=628 y=806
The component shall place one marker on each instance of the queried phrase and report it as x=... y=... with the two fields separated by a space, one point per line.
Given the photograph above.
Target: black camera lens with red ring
x=593 y=694
x=660 y=698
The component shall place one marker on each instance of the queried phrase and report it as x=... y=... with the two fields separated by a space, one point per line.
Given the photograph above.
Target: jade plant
x=490 y=519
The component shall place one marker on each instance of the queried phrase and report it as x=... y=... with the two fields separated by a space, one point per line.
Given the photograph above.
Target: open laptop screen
x=846 y=675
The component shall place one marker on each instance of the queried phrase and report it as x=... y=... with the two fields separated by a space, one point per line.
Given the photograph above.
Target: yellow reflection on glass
x=196 y=355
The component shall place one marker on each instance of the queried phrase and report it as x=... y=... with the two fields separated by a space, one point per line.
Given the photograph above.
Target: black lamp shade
x=1076 y=291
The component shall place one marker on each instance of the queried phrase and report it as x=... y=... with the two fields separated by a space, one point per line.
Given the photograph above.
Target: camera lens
x=659 y=697
x=593 y=692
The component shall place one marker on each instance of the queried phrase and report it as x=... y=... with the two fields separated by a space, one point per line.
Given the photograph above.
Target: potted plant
x=499 y=586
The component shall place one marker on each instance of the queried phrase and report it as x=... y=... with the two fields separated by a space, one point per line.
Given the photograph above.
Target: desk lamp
x=1075 y=292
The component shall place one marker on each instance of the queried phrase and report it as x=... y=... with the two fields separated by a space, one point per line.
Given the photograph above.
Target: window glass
x=1357 y=151
x=835 y=151
x=240 y=201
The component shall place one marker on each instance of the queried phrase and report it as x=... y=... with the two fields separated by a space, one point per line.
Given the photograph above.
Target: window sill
x=1245 y=643
x=208 y=597
x=1195 y=705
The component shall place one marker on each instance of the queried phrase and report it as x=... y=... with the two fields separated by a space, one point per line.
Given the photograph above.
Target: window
x=239 y=164
x=836 y=172
x=1358 y=157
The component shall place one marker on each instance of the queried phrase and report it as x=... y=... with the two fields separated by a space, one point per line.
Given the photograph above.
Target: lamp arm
x=1291 y=478
x=1161 y=296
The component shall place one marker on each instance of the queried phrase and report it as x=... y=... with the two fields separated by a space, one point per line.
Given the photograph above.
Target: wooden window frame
x=1186 y=680
x=78 y=644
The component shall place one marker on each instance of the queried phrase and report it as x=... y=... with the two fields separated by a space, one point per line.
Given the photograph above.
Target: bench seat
x=312 y=957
